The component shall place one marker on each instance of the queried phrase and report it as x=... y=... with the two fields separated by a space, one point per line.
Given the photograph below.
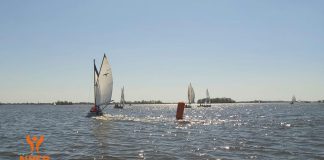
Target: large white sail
x=104 y=84
x=191 y=94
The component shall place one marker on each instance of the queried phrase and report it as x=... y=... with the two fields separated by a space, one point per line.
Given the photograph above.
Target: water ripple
x=224 y=131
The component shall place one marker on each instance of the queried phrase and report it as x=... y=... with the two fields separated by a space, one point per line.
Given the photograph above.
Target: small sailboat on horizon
x=207 y=100
x=103 y=86
x=293 y=100
x=191 y=96
x=122 y=100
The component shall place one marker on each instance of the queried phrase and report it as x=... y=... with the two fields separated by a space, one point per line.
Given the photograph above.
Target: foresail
x=104 y=83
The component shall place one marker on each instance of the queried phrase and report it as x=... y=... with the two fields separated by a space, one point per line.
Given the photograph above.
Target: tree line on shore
x=145 y=102
x=212 y=100
x=63 y=103
x=217 y=100
x=46 y=103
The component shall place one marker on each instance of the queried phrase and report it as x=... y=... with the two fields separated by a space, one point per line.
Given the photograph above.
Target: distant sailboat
x=207 y=100
x=122 y=100
x=293 y=100
x=191 y=96
x=103 y=86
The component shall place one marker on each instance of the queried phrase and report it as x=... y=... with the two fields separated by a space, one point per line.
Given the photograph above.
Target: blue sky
x=245 y=50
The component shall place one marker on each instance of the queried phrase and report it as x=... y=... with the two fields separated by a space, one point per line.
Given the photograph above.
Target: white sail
x=104 y=84
x=207 y=97
x=122 y=97
x=191 y=94
x=293 y=99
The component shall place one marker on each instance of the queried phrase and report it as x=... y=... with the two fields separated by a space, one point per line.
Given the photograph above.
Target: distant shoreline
x=44 y=104
x=91 y=103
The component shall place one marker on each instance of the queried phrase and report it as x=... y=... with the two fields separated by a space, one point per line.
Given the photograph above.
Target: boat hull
x=206 y=105
x=118 y=106
x=94 y=114
x=187 y=106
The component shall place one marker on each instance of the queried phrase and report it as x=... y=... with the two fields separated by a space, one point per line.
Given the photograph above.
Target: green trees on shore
x=63 y=103
x=212 y=100
x=146 y=102
x=217 y=100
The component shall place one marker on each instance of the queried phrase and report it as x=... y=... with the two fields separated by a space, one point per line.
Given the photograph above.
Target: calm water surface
x=224 y=131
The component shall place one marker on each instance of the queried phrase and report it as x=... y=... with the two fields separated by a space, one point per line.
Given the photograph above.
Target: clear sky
x=244 y=50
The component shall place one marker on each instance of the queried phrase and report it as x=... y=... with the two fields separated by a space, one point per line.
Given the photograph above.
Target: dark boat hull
x=118 y=106
x=187 y=106
x=207 y=105
x=94 y=114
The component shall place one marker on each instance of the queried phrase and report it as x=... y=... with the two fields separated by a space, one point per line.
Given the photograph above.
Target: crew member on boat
x=94 y=109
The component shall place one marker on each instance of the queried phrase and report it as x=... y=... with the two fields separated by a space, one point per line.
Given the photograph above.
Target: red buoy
x=180 y=109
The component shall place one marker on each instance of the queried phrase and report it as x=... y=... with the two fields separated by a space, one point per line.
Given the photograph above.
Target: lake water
x=223 y=131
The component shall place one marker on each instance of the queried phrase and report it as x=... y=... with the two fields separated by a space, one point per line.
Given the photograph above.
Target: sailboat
x=122 y=100
x=293 y=100
x=191 y=96
x=103 y=86
x=207 y=100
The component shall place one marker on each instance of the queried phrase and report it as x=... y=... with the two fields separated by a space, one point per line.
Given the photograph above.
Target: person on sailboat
x=95 y=109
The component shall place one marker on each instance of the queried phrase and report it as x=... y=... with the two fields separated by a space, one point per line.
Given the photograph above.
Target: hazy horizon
x=244 y=50
x=167 y=102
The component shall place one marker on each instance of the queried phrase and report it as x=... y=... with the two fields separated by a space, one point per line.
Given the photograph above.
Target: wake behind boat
x=103 y=85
